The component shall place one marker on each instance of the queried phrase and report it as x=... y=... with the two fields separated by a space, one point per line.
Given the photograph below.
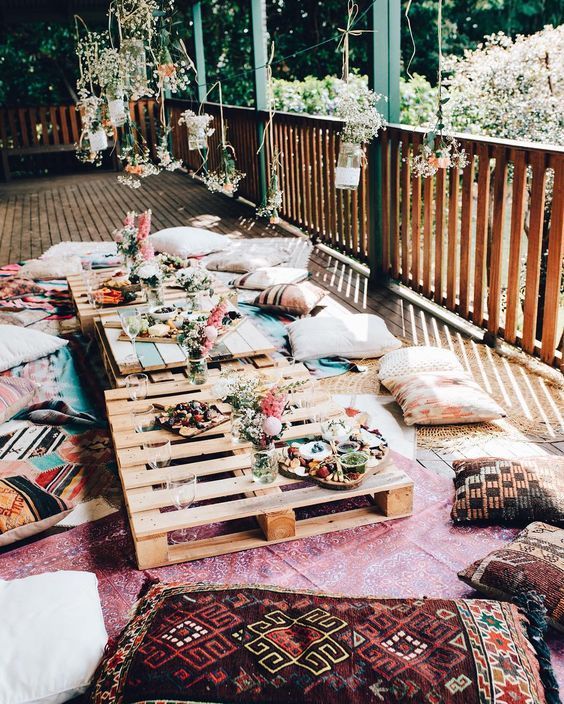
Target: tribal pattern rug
x=241 y=645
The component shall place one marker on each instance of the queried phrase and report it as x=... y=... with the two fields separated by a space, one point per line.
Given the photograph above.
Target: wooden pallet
x=88 y=313
x=245 y=341
x=225 y=489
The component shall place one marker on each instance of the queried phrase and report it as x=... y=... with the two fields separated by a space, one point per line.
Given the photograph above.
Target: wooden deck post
x=260 y=60
x=199 y=51
x=384 y=77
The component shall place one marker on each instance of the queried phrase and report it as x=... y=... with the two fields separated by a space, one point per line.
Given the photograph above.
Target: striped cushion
x=270 y=276
x=17 y=288
x=26 y=509
x=289 y=298
x=15 y=394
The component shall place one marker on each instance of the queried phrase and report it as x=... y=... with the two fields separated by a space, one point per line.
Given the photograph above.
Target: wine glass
x=144 y=419
x=131 y=323
x=137 y=386
x=159 y=454
x=183 y=493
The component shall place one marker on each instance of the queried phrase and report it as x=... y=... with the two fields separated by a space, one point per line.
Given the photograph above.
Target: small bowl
x=335 y=432
x=315 y=450
x=344 y=448
x=164 y=317
x=354 y=462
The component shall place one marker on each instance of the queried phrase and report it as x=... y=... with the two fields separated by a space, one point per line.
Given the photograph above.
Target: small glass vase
x=129 y=264
x=197 y=369
x=349 y=163
x=155 y=297
x=135 y=61
x=236 y=418
x=193 y=302
x=264 y=465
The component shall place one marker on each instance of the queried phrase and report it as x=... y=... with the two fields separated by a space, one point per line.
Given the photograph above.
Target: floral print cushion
x=15 y=287
x=443 y=398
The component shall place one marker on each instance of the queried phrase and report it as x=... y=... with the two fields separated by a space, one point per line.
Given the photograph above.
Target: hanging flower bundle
x=226 y=177
x=138 y=56
x=198 y=128
x=356 y=107
x=439 y=149
x=274 y=196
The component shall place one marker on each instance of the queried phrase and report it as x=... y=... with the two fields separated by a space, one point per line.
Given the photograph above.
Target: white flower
x=148 y=271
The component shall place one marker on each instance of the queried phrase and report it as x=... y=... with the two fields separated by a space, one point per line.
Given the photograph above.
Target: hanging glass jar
x=98 y=140
x=116 y=109
x=155 y=297
x=135 y=62
x=264 y=465
x=197 y=137
x=197 y=370
x=349 y=164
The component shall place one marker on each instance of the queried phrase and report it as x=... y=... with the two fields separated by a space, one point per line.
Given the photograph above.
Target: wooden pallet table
x=225 y=491
x=88 y=313
x=166 y=360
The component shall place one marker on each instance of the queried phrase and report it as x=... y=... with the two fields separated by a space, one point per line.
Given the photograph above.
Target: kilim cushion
x=534 y=561
x=513 y=492
x=15 y=394
x=289 y=298
x=443 y=398
x=16 y=288
x=204 y=643
x=26 y=509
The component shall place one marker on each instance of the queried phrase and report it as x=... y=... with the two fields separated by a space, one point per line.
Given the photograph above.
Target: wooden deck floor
x=35 y=214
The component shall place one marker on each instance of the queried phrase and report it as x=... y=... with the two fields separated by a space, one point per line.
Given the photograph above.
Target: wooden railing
x=486 y=242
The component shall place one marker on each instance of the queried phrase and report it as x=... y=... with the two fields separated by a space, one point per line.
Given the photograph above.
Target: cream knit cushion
x=413 y=360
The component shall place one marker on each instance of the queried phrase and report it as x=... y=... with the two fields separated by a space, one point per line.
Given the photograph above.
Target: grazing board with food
x=191 y=418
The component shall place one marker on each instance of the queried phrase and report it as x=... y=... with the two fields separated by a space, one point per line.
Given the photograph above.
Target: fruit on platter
x=185 y=418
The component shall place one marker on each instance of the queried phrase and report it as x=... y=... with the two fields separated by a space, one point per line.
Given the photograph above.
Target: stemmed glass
x=183 y=493
x=131 y=323
x=137 y=386
x=159 y=454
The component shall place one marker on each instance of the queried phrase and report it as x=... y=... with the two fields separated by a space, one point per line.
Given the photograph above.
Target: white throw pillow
x=79 y=249
x=240 y=261
x=53 y=637
x=51 y=268
x=19 y=345
x=268 y=276
x=354 y=337
x=188 y=241
x=414 y=360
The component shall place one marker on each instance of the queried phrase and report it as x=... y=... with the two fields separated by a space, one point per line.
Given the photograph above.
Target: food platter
x=191 y=418
x=157 y=329
x=335 y=465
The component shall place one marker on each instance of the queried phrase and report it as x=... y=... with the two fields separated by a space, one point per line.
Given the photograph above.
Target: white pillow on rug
x=355 y=336
x=51 y=268
x=239 y=261
x=53 y=637
x=19 y=345
x=414 y=360
x=189 y=241
x=268 y=276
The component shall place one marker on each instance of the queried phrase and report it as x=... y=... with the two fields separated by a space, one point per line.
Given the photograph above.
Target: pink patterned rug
x=417 y=556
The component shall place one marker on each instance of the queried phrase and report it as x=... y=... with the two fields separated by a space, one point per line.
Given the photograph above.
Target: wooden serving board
x=228 y=492
x=172 y=340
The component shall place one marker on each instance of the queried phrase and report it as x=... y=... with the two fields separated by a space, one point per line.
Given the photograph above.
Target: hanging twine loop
x=348 y=31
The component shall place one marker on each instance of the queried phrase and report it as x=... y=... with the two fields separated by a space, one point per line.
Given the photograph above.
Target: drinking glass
x=131 y=324
x=183 y=493
x=137 y=386
x=144 y=419
x=158 y=454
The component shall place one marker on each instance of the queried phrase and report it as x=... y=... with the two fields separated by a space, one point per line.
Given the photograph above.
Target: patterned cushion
x=15 y=394
x=514 y=492
x=414 y=360
x=51 y=268
x=16 y=288
x=270 y=276
x=443 y=398
x=534 y=561
x=26 y=509
x=233 y=644
x=289 y=298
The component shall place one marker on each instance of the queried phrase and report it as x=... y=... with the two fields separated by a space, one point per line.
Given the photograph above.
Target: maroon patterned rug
x=413 y=557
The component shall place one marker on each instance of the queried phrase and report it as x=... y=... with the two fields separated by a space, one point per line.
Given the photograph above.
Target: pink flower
x=272 y=426
x=144 y=225
x=211 y=333
x=217 y=314
x=118 y=237
x=129 y=219
x=147 y=250
x=273 y=403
